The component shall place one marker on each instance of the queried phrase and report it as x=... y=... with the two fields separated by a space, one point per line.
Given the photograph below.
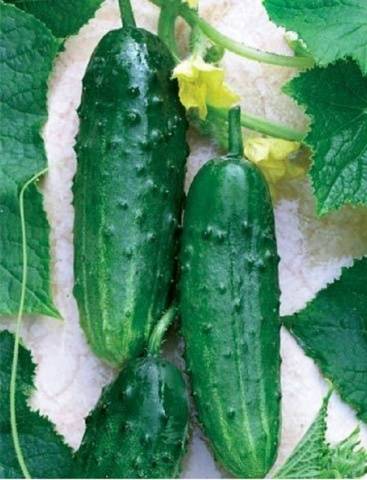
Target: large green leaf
x=27 y=51
x=331 y=29
x=313 y=457
x=332 y=330
x=63 y=17
x=45 y=452
x=336 y=100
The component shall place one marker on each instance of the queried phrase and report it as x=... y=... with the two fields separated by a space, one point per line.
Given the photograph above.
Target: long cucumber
x=230 y=309
x=128 y=191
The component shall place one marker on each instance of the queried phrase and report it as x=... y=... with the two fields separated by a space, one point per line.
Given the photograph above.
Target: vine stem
x=156 y=338
x=272 y=129
x=13 y=416
x=197 y=42
x=193 y=19
x=242 y=50
x=127 y=13
x=263 y=126
x=166 y=30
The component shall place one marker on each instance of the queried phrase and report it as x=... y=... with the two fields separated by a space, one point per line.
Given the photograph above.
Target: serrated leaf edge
x=287 y=89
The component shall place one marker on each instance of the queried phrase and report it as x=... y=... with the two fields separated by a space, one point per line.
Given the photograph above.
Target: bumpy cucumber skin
x=128 y=191
x=229 y=307
x=140 y=426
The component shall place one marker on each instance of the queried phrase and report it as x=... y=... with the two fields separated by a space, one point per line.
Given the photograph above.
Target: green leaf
x=308 y=458
x=27 y=50
x=331 y=29
x=313 y=457
x=45 y=452
x=332 y=330
x=336 y=100
x=63 y=17
x=347 y=459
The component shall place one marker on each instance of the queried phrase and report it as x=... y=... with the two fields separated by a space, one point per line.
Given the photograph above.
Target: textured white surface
x=69 y=378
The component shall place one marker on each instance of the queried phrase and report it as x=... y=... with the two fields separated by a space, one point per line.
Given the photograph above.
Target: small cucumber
x=229 y=307
x=128 y=191
x=139 y=428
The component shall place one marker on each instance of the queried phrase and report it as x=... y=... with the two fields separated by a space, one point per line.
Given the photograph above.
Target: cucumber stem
x=235 y=141
x=127 y=13
x=156 y=338
x=166 y=30
x=243 y=50
x=272 y=129
x=193 y=19
x=198 y=42
x=14 y=367
x=261 y=125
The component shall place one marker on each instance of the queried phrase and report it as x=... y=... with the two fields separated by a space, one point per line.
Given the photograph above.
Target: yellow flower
x=202 y=84
x=192 y=3
x=274 y=157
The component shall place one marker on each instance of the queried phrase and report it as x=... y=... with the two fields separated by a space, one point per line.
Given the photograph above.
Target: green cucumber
x=139 y=428
x=128 y=191
x=230 y=309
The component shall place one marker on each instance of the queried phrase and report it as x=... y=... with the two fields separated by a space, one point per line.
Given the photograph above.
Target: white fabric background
x=69 y=378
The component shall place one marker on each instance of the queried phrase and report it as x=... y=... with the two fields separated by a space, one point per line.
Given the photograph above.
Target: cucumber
x=229 y=304
x=139 y=428
x=128 y=191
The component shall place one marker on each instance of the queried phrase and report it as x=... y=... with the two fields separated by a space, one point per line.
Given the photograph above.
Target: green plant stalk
x=243 y=50
x=13 y=415
x=272 y=129
x=197 y=41
x=166 y=30
x=127 y=13
x=263 y=126
x=193 y=19
x=156 y=338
